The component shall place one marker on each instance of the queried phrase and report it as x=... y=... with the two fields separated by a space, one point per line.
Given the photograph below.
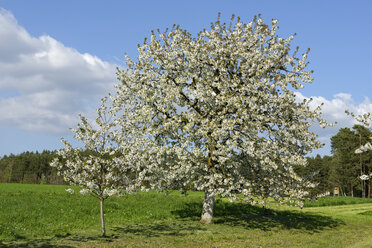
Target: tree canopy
x=108 y=167
x=219 y=111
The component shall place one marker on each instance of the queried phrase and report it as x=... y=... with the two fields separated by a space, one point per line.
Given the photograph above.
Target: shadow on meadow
x=53 y=242
x=187 y=223
x=159 y=229
x=37 y=243
x=255 y=217
x=232 y=214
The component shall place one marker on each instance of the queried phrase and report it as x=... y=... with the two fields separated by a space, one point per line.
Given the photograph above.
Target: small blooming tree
x=105 y=168
x=219 y=112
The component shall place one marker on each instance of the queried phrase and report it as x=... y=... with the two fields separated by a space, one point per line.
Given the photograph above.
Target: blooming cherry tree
x=219 y=112
x=108 y=169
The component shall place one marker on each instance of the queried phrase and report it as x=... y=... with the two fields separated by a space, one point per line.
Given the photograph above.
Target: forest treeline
x=29 y=167
x=343 y=169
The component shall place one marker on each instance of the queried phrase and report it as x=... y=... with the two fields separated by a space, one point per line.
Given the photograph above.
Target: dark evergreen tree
x=348 y=166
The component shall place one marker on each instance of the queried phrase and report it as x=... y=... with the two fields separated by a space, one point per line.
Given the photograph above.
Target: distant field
x=337 y=201
x=47 y=216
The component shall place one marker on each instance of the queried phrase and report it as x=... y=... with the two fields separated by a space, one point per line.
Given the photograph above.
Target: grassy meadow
x=47 y=216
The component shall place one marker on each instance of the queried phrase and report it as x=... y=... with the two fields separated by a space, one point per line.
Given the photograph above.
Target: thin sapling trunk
x=103 y=228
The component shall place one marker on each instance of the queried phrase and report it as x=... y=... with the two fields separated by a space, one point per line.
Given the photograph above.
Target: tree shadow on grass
x=159 y=229
x=255 y=217
x=87 y=238
x=35 y=243
x=51 y=242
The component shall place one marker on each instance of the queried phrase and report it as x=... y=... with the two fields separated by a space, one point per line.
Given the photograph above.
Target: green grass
x=337 y=201
x=47 y=216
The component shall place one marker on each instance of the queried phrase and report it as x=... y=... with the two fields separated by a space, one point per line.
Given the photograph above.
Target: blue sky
x=58 y=58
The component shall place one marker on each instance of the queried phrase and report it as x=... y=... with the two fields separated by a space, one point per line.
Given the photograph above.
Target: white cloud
x=45 y=85
x=333 y=110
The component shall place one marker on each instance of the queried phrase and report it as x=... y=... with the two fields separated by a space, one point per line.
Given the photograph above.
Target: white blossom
x=106 y=162
x=70 y=191
x=364 y=177
x=107 y=166
x=84 y=191
x=327 y=193
x=111 y=192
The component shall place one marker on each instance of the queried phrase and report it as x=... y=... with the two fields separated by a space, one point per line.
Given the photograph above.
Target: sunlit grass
x=39 y=210
x=47 y=216
x=336 y=201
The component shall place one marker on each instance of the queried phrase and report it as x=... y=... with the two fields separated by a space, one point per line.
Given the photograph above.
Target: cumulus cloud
x=333 y=111
x=44 y=85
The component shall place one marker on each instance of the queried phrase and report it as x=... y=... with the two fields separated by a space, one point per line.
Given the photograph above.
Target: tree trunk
x=352 y=190
x=361 y=167
x=102 y=216
x=208 y=205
